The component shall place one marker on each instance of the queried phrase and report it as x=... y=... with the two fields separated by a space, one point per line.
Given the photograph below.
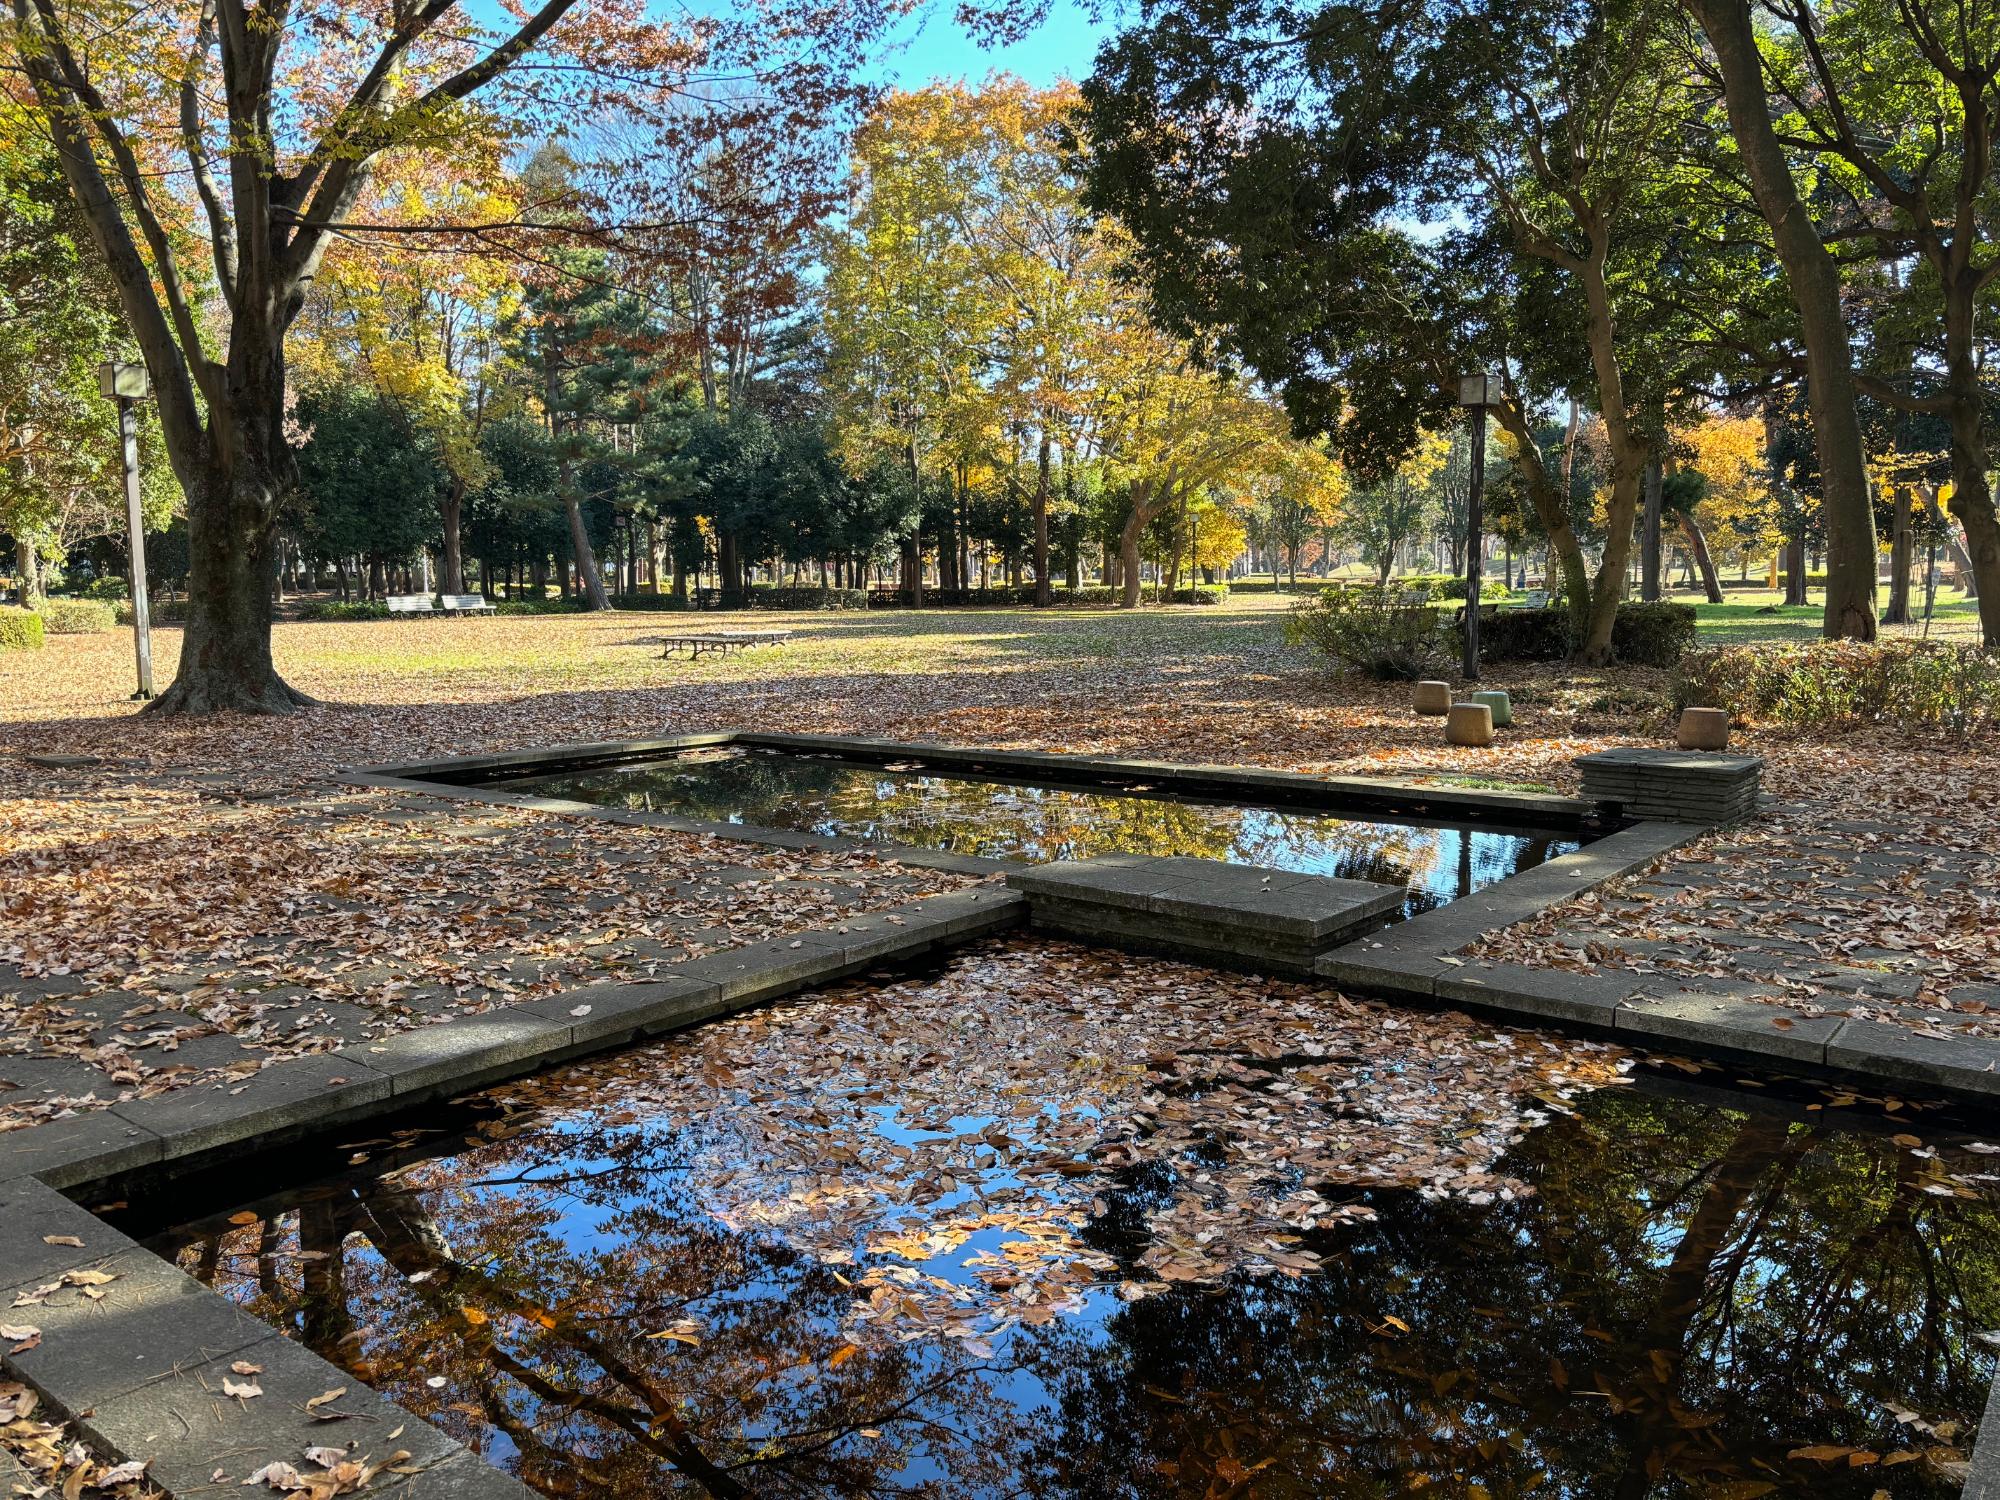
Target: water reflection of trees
x=1698 y=1303
x=1694 y=1296
x=997 y=818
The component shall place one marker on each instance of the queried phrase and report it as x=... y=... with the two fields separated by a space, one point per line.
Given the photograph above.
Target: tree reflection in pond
x=903 y=803
x=888 y=1242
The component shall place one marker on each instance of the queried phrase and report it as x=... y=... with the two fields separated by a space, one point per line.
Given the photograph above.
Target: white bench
x=409 y=604
x=724 y=641
x=466 y=604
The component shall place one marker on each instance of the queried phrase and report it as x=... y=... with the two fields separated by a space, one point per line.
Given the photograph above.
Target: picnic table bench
x=696 y=642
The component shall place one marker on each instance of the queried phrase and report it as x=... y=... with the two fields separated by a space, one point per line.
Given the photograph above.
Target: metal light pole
x=1475 y=393
x=126 y=384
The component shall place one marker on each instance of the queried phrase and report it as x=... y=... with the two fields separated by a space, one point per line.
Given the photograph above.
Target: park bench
x=724 y=641
x=466 y=604
x=409 y=604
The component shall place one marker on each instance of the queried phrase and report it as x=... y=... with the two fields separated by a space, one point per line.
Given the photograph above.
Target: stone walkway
x=1857 y=917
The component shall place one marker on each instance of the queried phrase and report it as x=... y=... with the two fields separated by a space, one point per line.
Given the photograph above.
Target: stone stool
x=1433 y=698
x=1499 y=702
x=1469 y=724
x=1703 y=729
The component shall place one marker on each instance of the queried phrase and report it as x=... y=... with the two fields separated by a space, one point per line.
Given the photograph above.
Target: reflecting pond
x=905 y=803
x=1015 y=1229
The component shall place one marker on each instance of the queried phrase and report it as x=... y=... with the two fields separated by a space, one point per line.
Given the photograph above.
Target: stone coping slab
x=1295 y=908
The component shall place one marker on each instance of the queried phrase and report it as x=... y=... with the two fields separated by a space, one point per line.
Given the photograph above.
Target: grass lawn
x=1759 y=615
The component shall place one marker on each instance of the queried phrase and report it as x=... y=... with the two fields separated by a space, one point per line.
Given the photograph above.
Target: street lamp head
x=122 y=382
x=1479 y=390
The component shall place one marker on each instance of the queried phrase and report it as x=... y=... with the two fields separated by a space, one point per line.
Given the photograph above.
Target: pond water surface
x=932 y=808
x=1051 y=1224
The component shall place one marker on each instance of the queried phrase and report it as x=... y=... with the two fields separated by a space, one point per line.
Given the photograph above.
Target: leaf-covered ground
x=206 y=899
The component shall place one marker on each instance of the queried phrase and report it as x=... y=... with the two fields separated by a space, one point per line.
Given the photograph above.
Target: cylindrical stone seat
x=1469 y=724
x=1703 y=729
x=1433 y=698
x=1501 y=705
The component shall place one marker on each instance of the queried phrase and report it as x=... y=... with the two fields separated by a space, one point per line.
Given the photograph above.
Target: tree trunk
x=1898 y=612
x=1815 y=287
x=1552 y=510
x=1650 y=538
x=232 y=563
x=1698 y=548
x=1971 y=503
x=1044 y=590
x=28 y=563
x=452 y=568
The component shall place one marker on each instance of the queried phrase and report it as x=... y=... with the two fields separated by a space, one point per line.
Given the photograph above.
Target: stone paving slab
x=31 y=1215
x=151 y=1320
x=190 y=1428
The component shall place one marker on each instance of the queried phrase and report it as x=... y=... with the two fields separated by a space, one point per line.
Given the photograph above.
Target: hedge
x=1645 y=635
x=334 y=610
x=1091 y=596
x=20 y=630
x=1903 y=682
x=76 y=616
x=772 y=596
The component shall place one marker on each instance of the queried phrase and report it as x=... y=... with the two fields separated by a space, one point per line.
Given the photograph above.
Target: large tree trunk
x=1144 y=508
x=1815 y=286
x=232 y=565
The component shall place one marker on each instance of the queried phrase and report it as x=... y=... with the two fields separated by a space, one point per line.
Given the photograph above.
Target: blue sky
x=932 y=46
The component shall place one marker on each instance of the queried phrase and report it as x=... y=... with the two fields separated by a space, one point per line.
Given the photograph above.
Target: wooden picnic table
x=696 y=642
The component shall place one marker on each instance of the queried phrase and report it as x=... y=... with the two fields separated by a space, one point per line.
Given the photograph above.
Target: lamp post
x=1475 y=393
x=126 y=384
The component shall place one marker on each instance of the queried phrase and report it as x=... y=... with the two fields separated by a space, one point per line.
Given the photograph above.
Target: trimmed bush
x=1644 y=635
x=329 y=611
x=76 y=616
x=158 y=611
x=1090 y=596
x=20 y=630
x=768 y=596
x=1926 y=684
x=555 y=606
x=1370 y=631
x=648 y=602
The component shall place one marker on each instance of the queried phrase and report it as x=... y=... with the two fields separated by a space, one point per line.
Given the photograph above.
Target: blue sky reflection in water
x=903 y=803
x=1057 y=1224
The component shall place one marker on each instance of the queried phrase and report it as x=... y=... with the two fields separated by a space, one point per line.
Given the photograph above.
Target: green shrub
x=110 y=586
x=20 y=630
x=158 y=611
x=811 y=597
x=76 y=616
x=646 y=602
x=1489 y=588
x=555 y=606
x=1644 y=635
x=327 y=611
x=1371 y=631
x=1903 y=682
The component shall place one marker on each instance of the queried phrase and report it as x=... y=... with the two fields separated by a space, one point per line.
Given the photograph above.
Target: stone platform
x=1686 y=786
x=1205 y=909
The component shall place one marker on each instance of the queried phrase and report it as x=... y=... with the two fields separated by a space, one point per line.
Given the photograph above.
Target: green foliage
x=1645 y=635
x=552 y=606
x=808 y=598
x=335 y=610
x=369 y=483
x=19 y=630
x=1912 y=683
x=1370 y=631
x=76 y=616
